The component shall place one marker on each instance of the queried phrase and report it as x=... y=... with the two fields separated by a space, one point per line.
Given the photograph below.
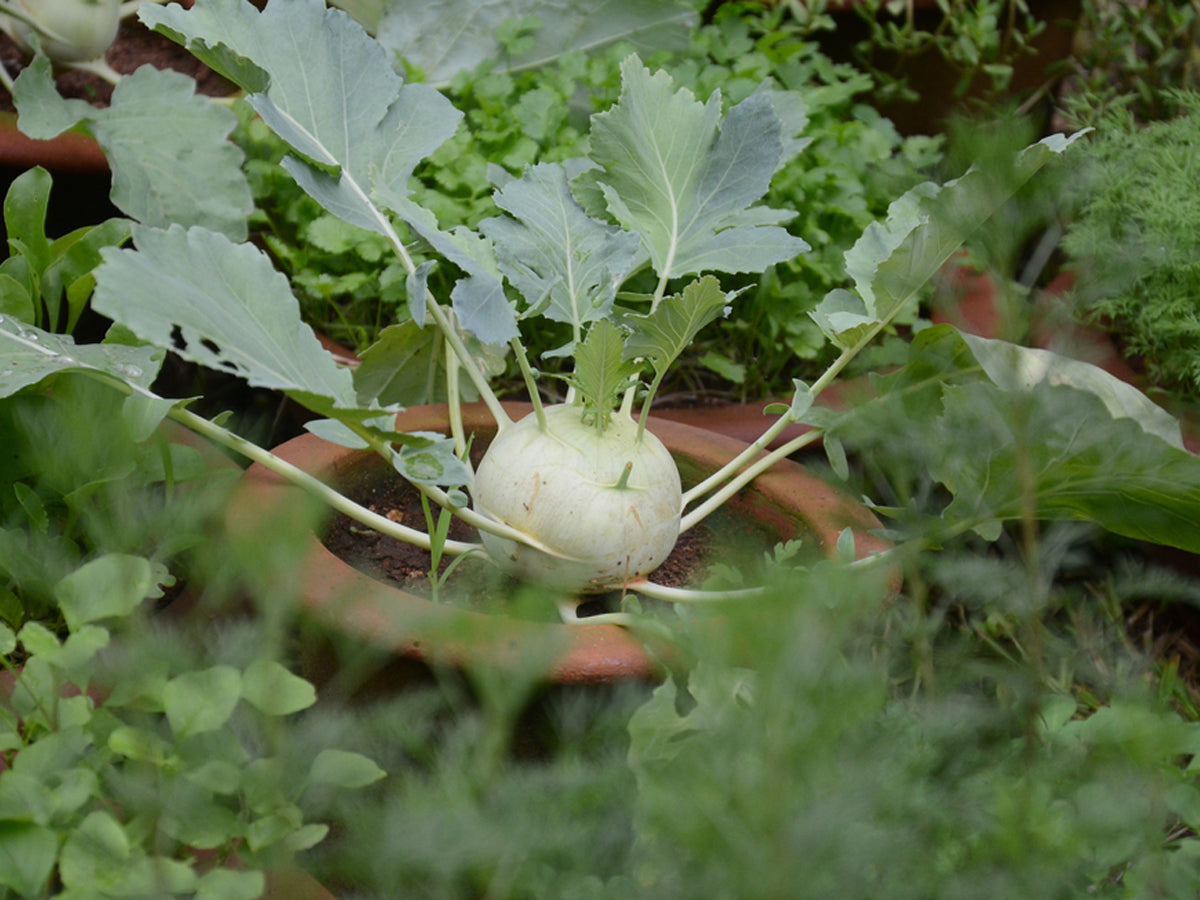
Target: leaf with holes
x=222 y=305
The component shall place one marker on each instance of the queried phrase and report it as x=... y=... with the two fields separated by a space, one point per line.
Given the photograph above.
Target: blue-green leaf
x=685 y=180
x=550 y=248
x=895 y=258
x=222 y=305
x=168 y=146
x=357 y=129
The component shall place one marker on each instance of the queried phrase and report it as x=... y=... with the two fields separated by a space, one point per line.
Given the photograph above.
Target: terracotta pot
x=70 y=152
x=789 y=501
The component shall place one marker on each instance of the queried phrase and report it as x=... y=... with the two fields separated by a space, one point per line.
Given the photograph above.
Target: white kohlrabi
x=69 y=31
x=608 y=502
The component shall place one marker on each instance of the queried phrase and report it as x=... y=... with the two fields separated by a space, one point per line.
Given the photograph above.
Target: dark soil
x=135 y=45
x=407 y=567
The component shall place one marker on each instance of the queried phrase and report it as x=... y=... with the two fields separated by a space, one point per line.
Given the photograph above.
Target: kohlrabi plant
x=622 y=248
x=75 y=33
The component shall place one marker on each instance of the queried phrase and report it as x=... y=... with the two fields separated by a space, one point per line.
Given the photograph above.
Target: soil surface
x=135 y=45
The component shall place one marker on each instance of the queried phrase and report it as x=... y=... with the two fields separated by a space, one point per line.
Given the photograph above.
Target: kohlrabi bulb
x=567 y=487
x=69 y=30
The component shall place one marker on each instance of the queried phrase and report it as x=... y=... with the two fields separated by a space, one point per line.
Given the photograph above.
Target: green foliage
x=523 y=34
x=984 y=732
x=1135 y=57
x=140 y=758
x=47 y=282
x=112 y=794
x=602 y=372
x=238 y=322
x=563 y=262
x=1065 y=441
x=83 y=475
x=981 y=41
x=799 y=756
x=803 y=772
x=676 y=173
x=1134 y=243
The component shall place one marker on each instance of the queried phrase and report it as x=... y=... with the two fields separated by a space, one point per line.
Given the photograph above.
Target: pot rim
x=439 y=633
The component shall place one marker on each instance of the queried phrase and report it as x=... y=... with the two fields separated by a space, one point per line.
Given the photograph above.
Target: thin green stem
x=530 y=379
x=502 y=418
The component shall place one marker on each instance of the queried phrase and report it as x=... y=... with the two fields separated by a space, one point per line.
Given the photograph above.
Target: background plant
x=821 y=741
x=982 y=42
x=139 y=755
x=1132 y=242
x=1133 y=57
x=988 y=731
x=845 y=177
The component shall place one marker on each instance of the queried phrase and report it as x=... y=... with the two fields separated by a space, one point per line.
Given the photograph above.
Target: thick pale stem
x=717 y=478
x=650 y=394
x=627 y=401
x=648 y=588
x=312 y=484
x=567 y=612
x=454 y=404
x=713 y=481
x=130 y=6
x=503 y=420
x=744 y=477
x=491 y=526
